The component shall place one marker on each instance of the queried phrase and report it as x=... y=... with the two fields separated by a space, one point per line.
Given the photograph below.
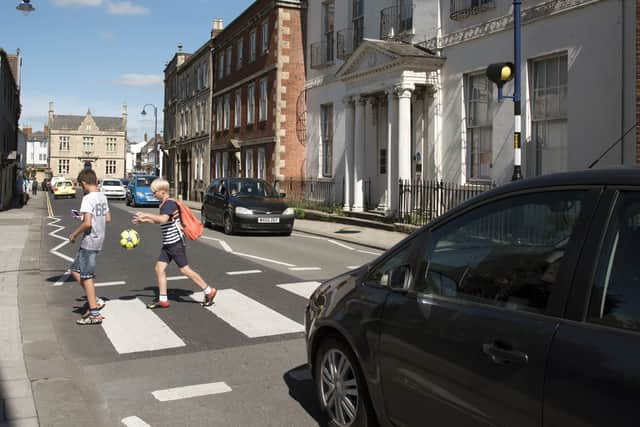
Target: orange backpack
x=191 y=226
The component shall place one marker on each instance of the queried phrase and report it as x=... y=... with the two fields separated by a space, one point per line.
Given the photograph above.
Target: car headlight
x=243 y=211
x=288 y=212
x=139 y=194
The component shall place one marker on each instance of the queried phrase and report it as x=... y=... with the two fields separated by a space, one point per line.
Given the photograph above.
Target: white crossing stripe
x=303 y=289
x=351 y=267
x=111 y=283
x=248 y=315
x=340 y=244
x=132 y=327
x=305 y=268
x=63 y=278
x=369 y=252
x=186 y=392
x=273 y=261
x=134 y=422
x=236 y=273
x=177 y=278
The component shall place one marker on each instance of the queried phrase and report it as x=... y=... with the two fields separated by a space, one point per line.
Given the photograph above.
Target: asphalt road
x=239 y=363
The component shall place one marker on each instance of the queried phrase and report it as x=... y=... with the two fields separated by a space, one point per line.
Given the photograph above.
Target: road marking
x=305 y=268
x=369 y=252
x=342 y=245
x=352 y=267
x=248 y=315
x=303 y=289
x=177 y=278
x=65 y=241
x=134 y=422
x=121 y=282
x=186 y=392
x=61 y=281
x=224 y=244
x=132 y=327
x=265 y=259
x=236 y=273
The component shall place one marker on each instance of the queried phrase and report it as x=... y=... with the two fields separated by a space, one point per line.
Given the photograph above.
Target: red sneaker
x=208 y=299
x=158 y=304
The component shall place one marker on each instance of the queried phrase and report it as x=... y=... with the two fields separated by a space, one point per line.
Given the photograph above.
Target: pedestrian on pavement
x=95 y=214
x=173 y=246
x=34 y=188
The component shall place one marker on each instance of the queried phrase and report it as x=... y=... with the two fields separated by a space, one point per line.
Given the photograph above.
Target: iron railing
x=348 y=41
x=322 y=51
x=396 y=20
x=461 y=9
x=421 y=201
x=314 y=191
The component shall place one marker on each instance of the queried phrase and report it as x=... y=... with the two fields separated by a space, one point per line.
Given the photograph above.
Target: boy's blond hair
x=160 y=184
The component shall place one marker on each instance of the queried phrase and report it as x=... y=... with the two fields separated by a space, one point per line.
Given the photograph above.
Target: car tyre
x=127 y=202
x=346 y=383
x=227 y=223
x=133 y=202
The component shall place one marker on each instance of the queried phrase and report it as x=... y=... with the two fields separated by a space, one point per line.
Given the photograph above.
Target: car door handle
x=502 y=356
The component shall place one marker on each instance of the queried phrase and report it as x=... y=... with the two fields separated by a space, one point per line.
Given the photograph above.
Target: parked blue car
x=139 y=191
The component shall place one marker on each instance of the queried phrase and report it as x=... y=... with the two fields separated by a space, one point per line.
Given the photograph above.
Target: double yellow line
x=49 y=206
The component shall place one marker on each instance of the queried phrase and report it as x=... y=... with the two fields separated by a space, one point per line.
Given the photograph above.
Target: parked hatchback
x=518 y=308
x=246 y=204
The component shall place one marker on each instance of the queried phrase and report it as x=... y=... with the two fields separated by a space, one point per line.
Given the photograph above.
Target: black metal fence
x=421 y=201
x=313 y=191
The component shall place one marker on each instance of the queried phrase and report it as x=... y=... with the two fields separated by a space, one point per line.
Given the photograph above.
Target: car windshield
x=111 y=183
x=65 y=184
x=250 y=188
x=144 y=181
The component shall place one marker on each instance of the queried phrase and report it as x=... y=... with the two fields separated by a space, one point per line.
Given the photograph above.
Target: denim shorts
x=85 y=263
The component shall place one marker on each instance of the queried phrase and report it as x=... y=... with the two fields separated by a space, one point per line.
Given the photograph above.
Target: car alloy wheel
x=339 y=387
x=228 y=224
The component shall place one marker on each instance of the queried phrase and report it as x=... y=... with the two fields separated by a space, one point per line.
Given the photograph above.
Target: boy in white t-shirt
x=95 y=214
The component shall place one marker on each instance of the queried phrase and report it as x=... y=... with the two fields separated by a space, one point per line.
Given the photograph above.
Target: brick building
x=258 y=74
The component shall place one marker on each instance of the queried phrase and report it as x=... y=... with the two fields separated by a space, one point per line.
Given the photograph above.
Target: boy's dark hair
x=88 y=176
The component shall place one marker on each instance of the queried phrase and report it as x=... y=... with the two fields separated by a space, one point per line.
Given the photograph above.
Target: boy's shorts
x=176 y=252
x=85 y=263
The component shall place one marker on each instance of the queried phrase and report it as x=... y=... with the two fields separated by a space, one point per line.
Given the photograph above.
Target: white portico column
x=392 y=156
x=359 y=136
x=349 y=114
x=404 y=131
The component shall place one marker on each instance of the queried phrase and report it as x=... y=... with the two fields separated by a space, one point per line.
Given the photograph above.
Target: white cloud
x=126 y=8
x=67 y=3
x=140 y=80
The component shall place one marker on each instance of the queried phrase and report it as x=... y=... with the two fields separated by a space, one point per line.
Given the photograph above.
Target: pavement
x=366 y=236
x=39 y=382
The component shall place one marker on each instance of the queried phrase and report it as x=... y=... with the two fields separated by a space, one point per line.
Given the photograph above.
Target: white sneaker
x=100 y=303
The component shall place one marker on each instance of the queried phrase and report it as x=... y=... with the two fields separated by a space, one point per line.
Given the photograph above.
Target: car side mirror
x=282 y=194
x=399 y=277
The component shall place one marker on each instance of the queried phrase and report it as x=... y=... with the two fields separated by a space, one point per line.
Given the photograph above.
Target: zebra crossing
x=131 y=328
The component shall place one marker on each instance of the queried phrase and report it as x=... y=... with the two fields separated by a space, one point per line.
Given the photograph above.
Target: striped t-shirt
x=171 y=232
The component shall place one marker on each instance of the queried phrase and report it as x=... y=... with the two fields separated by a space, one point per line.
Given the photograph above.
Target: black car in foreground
x=520 y=308
x=246 y=204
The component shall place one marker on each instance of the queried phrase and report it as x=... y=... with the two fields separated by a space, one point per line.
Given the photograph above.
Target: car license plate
x=266 y=220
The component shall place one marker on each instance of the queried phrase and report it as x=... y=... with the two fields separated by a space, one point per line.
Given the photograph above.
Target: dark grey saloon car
x=519 y=308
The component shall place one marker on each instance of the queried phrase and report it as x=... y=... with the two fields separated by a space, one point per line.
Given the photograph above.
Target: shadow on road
x=303 y=390
x=177 y=295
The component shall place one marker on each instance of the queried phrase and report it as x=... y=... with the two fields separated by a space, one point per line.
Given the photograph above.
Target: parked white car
x=113 y=187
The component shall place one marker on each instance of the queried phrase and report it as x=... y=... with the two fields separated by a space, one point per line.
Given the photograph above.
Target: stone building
x=92 y=141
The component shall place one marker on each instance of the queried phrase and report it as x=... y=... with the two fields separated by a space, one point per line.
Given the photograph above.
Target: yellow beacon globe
x=505 y=73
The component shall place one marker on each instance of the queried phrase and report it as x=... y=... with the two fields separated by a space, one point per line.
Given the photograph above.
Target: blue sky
x=99 y=54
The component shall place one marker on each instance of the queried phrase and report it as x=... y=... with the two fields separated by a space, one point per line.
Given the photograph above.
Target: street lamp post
x=157 y=163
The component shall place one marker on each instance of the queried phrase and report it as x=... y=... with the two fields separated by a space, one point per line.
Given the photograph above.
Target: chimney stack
x=218 y=26
x=50 y=111
x=27 y=131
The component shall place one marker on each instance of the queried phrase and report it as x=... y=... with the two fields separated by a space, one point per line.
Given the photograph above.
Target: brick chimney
x=46 y=131
x=218 y=26
x=27 y=131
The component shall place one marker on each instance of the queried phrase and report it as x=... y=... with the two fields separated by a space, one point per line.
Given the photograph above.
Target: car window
x=250 y=188
x=506 y=253
x=144 y=181
x=615 y=296
x=111 y=183
x=395 y=271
